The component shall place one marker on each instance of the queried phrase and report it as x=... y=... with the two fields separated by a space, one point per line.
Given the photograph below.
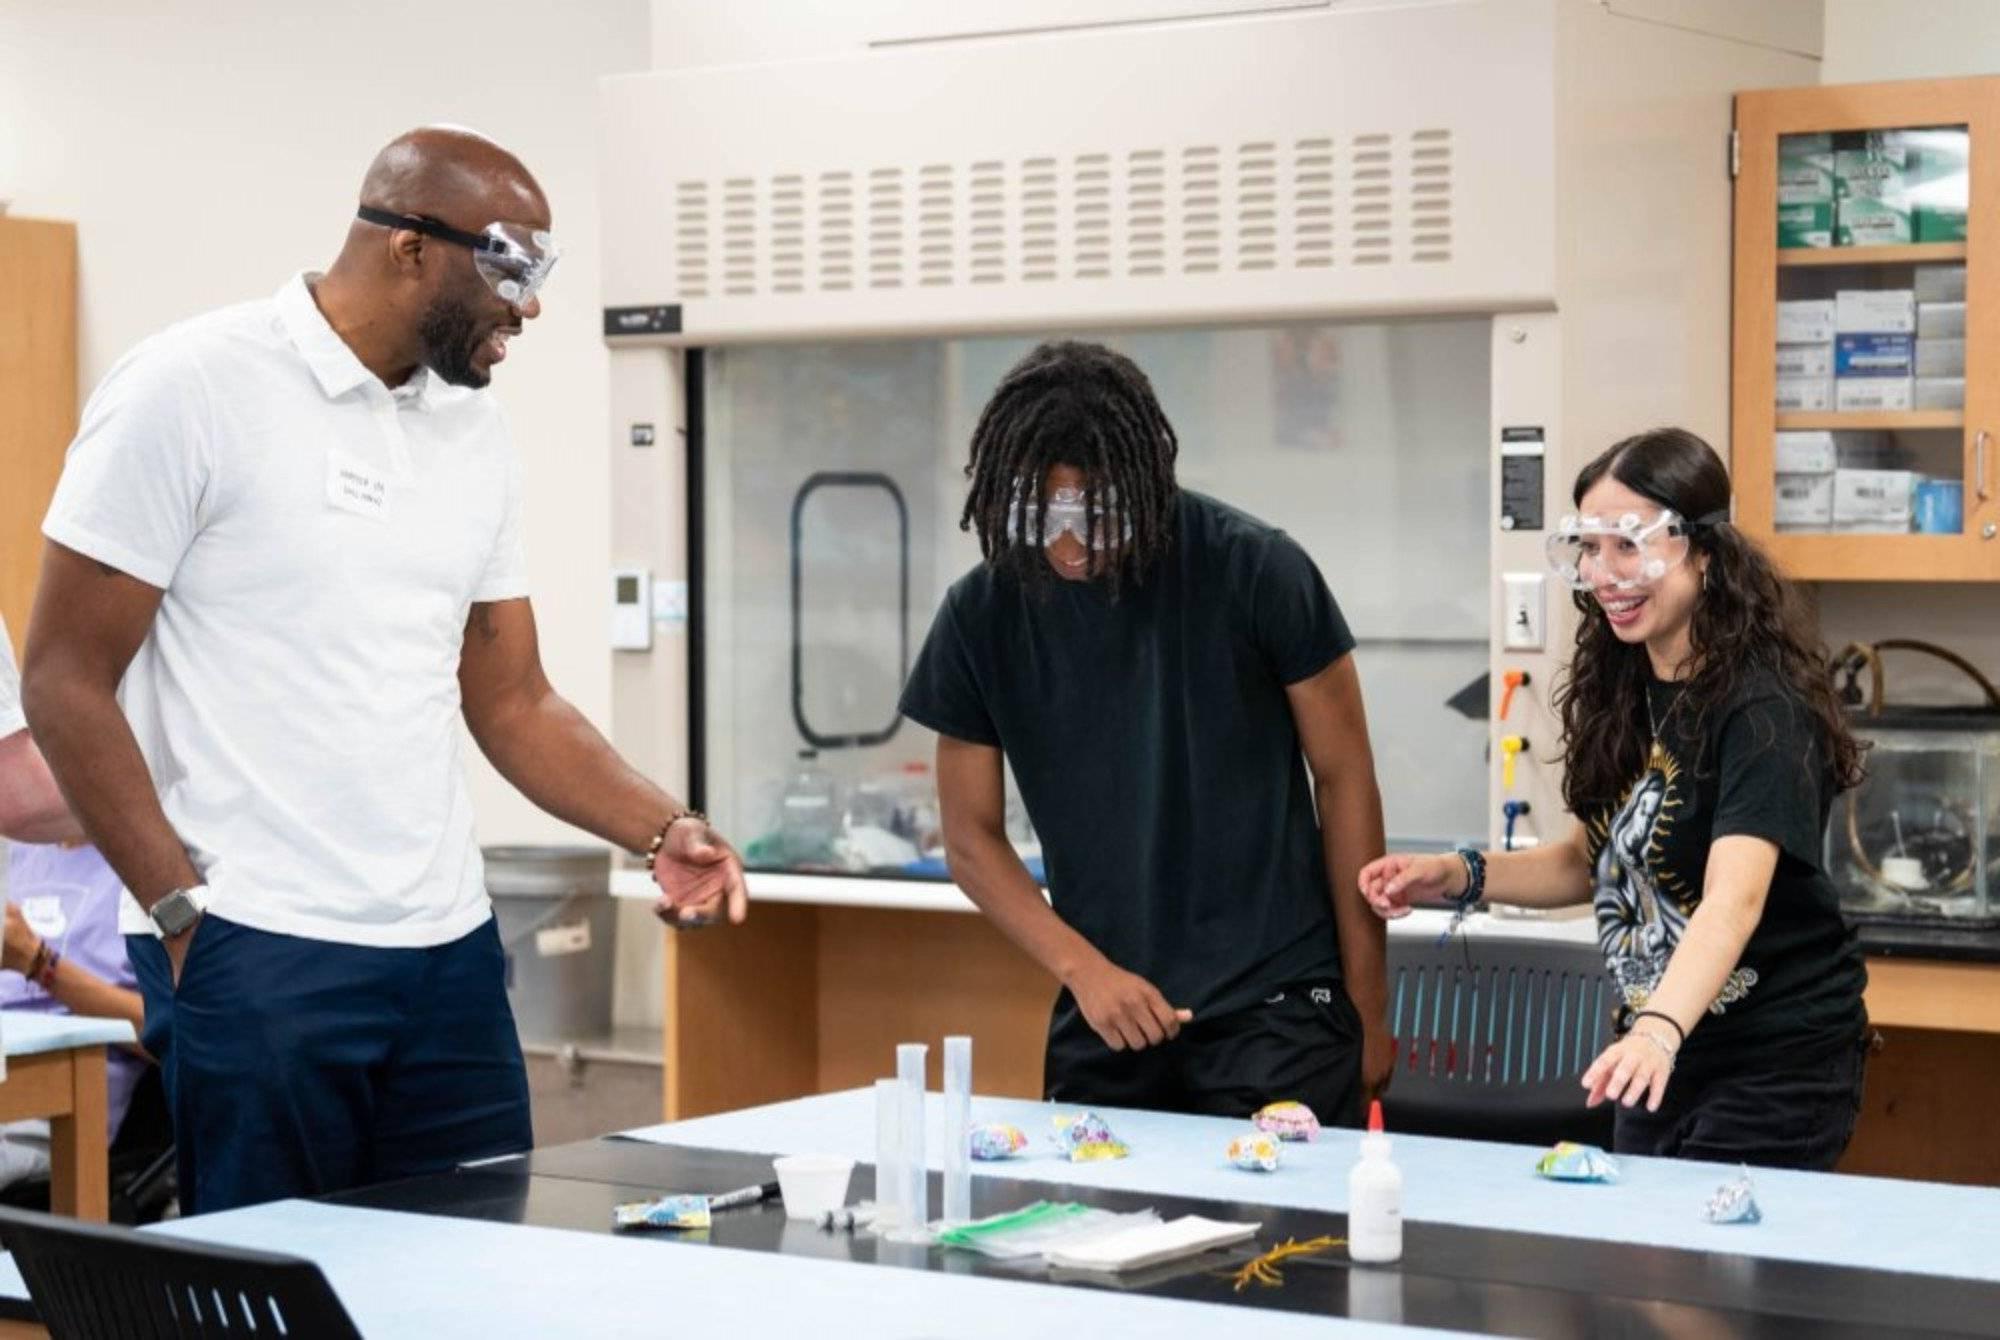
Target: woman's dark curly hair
x=1749 y=621
x=1081 y=405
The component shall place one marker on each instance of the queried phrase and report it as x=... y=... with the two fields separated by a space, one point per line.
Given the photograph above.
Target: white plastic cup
x=812 y=1184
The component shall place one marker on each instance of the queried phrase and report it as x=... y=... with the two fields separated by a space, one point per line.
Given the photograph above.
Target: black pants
x=1303 y=1042
x=1793 y=1114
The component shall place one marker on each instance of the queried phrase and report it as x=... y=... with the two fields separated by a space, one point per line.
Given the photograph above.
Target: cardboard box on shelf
x=1937 y=182
x=1805 y=191
x=1862 y=449
x=1944 y=282
x=1806 y=321
x=1804 y=501
x=1874 y=497
x=1938 y=393
x=1871 y=180
x=1940 y=358
x=1875 y=311
x=1805 y=360
x=1869 y=355
x=1805 y=453
x=1808 y=225
x=1866 y=394
x=1805 y=395
x=1940 y=320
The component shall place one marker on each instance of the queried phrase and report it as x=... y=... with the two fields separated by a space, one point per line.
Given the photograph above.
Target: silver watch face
x=175 y=913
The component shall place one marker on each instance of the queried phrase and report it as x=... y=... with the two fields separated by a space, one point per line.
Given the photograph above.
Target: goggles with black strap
x=513 y=260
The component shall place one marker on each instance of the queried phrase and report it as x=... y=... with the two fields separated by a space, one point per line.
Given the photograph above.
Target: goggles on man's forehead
x=513 y=260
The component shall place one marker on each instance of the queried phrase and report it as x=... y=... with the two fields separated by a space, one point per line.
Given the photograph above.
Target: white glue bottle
x=1375 y=1199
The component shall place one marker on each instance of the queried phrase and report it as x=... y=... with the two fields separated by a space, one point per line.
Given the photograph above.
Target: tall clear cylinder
x=890 y=1180
x=915 y=1202
x=957 y=1130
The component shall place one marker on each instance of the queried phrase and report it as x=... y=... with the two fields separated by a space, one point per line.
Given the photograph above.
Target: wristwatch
x=178 y=911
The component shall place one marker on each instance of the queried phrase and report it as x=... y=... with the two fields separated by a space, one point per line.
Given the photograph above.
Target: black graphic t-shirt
x=1754 y=769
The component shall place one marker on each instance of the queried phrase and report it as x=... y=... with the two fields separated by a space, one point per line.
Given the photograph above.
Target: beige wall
x=207 y=150
x=1868 y=40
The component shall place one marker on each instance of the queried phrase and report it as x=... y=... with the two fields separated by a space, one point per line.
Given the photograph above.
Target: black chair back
x=1495 y=1051
x=95 y=1282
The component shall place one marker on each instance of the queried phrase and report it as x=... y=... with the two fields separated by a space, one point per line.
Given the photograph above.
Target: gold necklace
x=1657 y=758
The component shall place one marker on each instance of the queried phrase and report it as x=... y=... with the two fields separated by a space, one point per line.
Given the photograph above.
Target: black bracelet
x=1668 y=1020
x=1475 y=878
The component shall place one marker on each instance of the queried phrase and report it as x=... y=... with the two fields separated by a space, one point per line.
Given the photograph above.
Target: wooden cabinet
x=37 y=396
x=1947 y=452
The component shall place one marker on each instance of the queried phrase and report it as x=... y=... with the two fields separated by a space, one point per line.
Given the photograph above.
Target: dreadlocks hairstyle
x=1084 y=406
x=1748 y=620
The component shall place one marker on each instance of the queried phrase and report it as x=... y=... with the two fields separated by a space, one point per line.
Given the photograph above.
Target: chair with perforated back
x=93 y=1282
x=1494 y=1051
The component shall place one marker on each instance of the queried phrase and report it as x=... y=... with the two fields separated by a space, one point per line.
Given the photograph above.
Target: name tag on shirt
x=355 y=486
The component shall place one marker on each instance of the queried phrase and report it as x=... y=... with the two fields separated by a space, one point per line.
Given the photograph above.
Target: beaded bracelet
x=42 y=971
x=1475 y=877
x=660 y=838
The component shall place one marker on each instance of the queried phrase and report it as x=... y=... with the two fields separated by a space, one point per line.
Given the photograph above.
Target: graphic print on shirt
x=1642 y=906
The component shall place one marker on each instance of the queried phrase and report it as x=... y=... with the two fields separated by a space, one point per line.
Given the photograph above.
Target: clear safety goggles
x=1627 y=551
x=513 y=260
x=1066 y=512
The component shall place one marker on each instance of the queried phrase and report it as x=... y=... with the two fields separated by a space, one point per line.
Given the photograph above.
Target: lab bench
x=830 y=972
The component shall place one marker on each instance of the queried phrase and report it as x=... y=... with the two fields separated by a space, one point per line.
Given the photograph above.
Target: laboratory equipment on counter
x=1914 y=842
x=809 y=814
x=957 y=1130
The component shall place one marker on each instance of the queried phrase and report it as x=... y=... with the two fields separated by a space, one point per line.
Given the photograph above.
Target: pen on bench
x=749 y=1195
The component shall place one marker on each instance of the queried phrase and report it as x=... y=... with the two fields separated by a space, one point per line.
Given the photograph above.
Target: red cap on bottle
x=1375 y=1116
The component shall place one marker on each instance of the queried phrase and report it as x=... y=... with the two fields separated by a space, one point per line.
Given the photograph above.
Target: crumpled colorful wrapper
x=1287 y=1121
x=995 y=1141
x=1085 y=1138
x=1571 y=1162
x=681 y=1212
x=1255 y=1153
x=1734 y=1202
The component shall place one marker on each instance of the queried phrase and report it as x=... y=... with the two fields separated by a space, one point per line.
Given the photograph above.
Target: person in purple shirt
x=61 y=952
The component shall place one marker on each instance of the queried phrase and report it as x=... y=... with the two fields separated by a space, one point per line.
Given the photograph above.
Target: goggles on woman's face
x=514 y=260
x=1067 y=511
x=1625 y=552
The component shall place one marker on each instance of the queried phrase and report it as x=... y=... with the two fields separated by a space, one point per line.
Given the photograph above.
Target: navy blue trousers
x=299 y=1067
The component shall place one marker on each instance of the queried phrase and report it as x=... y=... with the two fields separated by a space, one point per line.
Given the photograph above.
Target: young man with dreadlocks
x=1171 y=682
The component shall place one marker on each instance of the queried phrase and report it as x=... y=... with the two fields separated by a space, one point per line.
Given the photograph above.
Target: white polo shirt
x=319 y=540
x=11 y=717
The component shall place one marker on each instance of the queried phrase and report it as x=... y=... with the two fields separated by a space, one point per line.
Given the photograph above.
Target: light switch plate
x=1524 y=611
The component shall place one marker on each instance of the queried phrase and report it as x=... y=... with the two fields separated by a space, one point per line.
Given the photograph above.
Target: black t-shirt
x=1155 y=749
x=1755 y=768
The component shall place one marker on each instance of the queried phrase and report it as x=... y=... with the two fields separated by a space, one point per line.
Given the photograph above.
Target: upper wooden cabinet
x=1867 y=329
x=37 y=396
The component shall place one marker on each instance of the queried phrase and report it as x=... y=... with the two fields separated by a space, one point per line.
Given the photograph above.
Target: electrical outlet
x=1523 y=610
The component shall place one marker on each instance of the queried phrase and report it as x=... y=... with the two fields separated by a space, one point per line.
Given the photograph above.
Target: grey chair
x=1493 y=1048
x=93 y=1282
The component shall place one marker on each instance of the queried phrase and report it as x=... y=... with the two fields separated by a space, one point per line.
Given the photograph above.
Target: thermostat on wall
x=631 y=609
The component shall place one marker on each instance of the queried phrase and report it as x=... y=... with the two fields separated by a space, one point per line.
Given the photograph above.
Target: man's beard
x=449 y=341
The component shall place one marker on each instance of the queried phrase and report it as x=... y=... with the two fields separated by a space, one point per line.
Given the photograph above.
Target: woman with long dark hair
x=1703 y=747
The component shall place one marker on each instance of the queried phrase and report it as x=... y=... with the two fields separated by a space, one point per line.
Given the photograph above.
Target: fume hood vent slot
x=1151 y=213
